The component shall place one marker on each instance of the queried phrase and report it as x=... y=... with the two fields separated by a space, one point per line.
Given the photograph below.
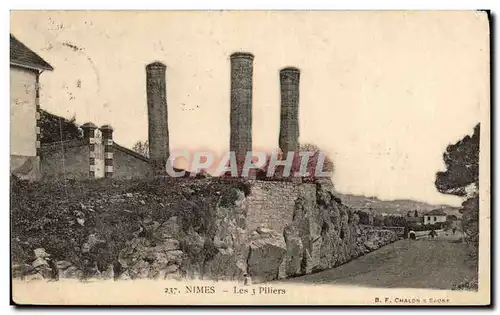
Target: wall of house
x=128 y=166
x=69 y=159
x=271 y=204
x=22 y=112
x=429 y=219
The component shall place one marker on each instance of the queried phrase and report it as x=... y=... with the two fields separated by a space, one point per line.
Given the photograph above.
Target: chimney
x=241 y=105
x=289 y=118
x=157 y=115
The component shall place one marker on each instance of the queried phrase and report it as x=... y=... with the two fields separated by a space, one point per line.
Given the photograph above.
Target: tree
x=415 y=214
x=462 y=166
x=55 y=128
x=328 y=165
x=142 y=147
x=312 y=163
x=378 y=220
x=409 y=213
x=388 y=221
x=461 y=178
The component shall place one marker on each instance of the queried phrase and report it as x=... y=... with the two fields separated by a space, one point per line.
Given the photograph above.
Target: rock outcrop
x=327 y=234
x=229 y=243
x=155 y=253
x=213 y=241
x=267 y=251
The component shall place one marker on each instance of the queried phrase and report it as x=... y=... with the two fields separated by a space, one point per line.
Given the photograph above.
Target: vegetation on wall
x=55 y=128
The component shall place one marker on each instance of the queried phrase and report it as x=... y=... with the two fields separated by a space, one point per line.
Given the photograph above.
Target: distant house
x=25 y=69
x=434 y=216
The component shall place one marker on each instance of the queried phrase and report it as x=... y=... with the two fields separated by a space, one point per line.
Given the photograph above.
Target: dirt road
x=425 y=263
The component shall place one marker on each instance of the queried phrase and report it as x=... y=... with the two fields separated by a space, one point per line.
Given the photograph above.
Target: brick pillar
x=107 y=139
x=37 y=115
x=156 y=93
x=240 y=140
x=289 y=120
x=89 y=138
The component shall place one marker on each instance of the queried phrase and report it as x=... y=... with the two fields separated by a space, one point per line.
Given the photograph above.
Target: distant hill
x=394 y=206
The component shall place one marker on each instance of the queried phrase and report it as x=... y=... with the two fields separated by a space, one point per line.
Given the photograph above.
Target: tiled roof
x=21 y=55
x=436 y=212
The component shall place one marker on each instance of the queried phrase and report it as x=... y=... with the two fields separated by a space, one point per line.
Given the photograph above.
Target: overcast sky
x=383 y=93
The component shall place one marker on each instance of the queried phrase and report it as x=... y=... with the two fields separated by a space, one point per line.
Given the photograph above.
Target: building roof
x=21 y=55
x=436 y=212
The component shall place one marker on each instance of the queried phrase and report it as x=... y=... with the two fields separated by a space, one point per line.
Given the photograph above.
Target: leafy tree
x=142 y=147
x=378 y=220
x=312 y=163
x=328 y=165
x=462 y=166
x=461 y=178
x=415 y=214
x=388 y=221
x=365 y=217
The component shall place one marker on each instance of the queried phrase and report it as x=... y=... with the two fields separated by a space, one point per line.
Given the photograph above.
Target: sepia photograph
x=250 y=158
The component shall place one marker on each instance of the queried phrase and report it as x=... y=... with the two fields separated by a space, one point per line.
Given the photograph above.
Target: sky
x=382 y=93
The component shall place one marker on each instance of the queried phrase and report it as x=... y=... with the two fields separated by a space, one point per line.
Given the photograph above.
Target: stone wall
x=68 y=159
x=72 y=159
x=128 y=164
x=271 y=204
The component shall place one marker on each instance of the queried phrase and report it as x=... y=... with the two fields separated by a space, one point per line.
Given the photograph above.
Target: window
x=435 y=218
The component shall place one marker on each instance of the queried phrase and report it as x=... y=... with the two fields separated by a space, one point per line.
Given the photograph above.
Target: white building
x=25 y=69
x=434 y=216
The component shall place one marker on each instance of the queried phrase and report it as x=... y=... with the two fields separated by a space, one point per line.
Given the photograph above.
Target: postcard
x=250 y=158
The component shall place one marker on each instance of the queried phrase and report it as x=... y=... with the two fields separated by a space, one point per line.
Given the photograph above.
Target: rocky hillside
x=180 y=228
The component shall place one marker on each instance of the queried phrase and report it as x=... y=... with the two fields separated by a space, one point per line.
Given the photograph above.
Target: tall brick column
x=240 y=140
x=289 y=118
x=107 y=139
x=89 y=138
x=157 y=115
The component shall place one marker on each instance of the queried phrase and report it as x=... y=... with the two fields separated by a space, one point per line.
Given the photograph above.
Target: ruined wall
x=69 y=159
x=271 y=204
